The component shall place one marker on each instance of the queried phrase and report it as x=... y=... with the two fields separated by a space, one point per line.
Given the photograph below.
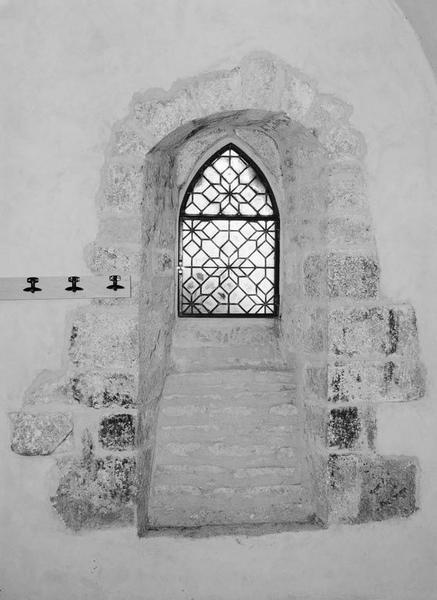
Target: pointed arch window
x=229 y=241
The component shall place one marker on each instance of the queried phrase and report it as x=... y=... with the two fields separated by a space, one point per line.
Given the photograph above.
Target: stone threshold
x=244 y=529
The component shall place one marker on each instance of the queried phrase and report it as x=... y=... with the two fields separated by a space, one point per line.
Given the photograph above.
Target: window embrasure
x=229 y=240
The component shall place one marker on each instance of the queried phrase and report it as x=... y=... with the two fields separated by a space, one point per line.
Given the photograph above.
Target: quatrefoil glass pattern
x=229 y=241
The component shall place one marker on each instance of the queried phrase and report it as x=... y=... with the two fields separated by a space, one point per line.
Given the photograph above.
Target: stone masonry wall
x=355 y=349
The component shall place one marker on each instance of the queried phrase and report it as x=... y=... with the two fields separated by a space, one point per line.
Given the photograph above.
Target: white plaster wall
x=69 y=70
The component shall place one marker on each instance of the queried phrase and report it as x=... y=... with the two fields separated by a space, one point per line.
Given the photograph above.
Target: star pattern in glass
x=228 y=257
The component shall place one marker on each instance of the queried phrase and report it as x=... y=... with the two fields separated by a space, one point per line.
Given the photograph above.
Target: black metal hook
x=114 y=286
x=73 y=287
x=32 y=288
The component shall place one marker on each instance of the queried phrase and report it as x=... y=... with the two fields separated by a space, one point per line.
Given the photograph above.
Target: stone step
x=224 y=332
x=230 y=382
x=226 y=431
x=217 y=397
x=207 y=476
x=190 y=506
x=216 y=344
x=239 y=454
x=209 y=358
x=227 y=416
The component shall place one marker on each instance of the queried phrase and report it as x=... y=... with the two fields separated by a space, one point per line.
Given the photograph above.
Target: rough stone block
x=341 y=276
x=316 y=381
x=103 y=390
x=351 y=428
x=49 y=387
x=122 y=187
x=167 y=111
x=346 y=185
x=218 y=91
x=310 y=198
x=39 y=434
x=264 y=145
x=297 y=95
x=367 y=382
x=96 y=492
x=343 y=141
x=307 y=153
x=119 y=229
x=326 y=111
x=388 y=488
x=128 y=141
x=117 y=432
x=314 y=272
x=402 y=381
x=104 y=338
x=345 y=232
x=344 y=489
x=352 y=276
x=124 y=259
x=306 y=233
x=308 y=328
x=376 y=330
x=261 y=82
x=192 y=149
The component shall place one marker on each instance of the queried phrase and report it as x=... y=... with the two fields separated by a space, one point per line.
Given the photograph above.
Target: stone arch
x=355 y=348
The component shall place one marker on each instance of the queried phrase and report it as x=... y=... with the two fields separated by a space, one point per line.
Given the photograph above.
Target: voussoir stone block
x=218 y=91
x=104 y=338
x=298 y=94
x=261 y=82
x=122 y=187
x=164 y=113
x=103 y=390
x=39 y=434
x=325 y=111
x=264 y=145
x=188 y=155
x=96 y=492
x=119 y=229
x=127 y=141
x=117 y=432
x=343 y=141
x=346 y=187
x=125 y=258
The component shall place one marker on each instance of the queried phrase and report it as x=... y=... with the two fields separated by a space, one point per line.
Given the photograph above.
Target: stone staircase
x=228 y=448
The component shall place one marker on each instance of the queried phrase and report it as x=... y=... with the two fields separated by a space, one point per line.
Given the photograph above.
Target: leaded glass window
x=229 y=241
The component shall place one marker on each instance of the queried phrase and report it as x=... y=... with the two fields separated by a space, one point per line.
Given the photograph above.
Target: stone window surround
x=341 y=312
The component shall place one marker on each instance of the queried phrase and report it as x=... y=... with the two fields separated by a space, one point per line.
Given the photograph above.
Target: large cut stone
x=370 y=488
x=96 y=491
x=105 y=339
x=34 y=434
x=102 y=390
